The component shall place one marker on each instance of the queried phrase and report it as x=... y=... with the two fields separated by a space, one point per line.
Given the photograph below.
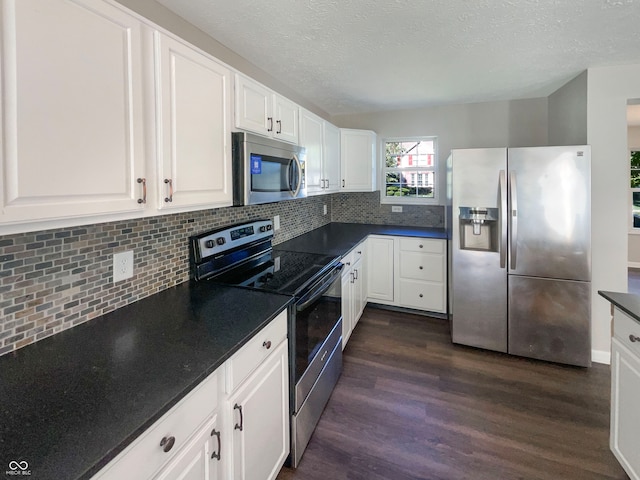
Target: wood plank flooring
x=410 y=405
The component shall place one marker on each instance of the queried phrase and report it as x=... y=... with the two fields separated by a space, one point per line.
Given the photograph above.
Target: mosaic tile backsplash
x=55 y=279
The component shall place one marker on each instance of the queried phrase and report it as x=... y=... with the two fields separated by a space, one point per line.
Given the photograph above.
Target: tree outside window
x=634 y=164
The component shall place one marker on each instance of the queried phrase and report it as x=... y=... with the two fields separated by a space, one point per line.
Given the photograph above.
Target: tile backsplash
x=55 y=279
x=366 y=208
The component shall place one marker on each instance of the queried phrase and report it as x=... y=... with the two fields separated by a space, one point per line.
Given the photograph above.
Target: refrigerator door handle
x=502 y=180
x=513 y=218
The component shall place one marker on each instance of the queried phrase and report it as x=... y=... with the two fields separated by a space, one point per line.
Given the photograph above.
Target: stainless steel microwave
x=266 y=170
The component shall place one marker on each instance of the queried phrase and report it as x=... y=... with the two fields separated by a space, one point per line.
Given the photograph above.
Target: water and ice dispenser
x=479 y=229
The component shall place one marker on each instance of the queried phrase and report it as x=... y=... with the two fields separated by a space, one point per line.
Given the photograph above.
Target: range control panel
x=221 y=240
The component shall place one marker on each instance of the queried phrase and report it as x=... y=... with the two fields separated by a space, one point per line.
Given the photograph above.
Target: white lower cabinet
x=625 y=392
x=259 y=410
x=234 y=425
x=408 y=272
x=354 y=289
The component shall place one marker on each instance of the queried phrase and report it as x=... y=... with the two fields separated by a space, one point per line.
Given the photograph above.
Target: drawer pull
x=240 y=425
x=267 y=344
x=355 y=273
x=420 y=267
x=421 y=246
x=216 y=455
x=167 y=443
x=143 y=181
x=169 y=182
x=359 y=252
x=634 y=339
x=421 y=295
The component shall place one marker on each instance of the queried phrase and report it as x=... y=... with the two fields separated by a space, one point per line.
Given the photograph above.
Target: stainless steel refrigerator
x=521 y=251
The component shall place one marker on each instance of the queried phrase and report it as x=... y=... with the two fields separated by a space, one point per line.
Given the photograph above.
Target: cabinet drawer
x=623 y=328
x=422 y=295
x=145 y=455
x=425 y=245
x=421 y=266
x=251 y=355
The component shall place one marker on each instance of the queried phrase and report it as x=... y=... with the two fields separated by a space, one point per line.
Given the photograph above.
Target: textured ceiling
x=349 y=56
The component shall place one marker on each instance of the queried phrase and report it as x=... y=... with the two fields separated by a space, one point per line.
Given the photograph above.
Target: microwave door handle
x=295 y=192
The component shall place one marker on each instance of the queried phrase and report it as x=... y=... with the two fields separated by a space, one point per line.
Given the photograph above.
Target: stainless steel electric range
x=243 y=255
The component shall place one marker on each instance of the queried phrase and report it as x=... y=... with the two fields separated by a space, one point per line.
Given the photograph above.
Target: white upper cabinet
x=322 y=143
x=331 y=159
x=72 y=103
x=193 y=134
x=358 y=160
x=260 y=110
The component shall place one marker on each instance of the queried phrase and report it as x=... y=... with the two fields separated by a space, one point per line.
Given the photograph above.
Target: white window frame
x=632 y=229
x=384 y=199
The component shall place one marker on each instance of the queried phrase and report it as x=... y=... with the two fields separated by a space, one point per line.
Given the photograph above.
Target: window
x=634 y=170
x=409 y=171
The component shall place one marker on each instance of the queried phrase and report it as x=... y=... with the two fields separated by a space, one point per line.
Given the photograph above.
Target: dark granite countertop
x=627 y=302
x=339 y=238
x=70 y=403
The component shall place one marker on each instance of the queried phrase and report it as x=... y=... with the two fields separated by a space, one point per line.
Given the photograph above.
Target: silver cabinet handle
x=279 y=131
x=167 y=443
x=143 y=181
x=355 y=272
x=239 y=426
x=513 y=217
x=352 y=278
x=502 y=180
x=343 y=183
x=270 y=127
x=216 y=455
x=169 y=182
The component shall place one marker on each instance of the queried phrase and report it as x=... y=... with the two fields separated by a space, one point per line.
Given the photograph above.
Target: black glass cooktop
x=278 y=271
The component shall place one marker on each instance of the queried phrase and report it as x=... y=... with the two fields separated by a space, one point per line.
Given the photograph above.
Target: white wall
x=633 y=142
x=515 y=123
x=609 y=88
x=568 y=113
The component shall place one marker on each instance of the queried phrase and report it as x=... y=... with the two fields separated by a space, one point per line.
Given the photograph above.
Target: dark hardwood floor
x=410 y=405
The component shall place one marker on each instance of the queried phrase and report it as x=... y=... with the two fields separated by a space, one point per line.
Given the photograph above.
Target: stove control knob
x=263 y=228
x=220 y=240
x=209 y=244
x=269 y=227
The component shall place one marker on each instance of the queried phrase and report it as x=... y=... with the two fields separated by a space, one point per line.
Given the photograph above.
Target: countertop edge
x=629 y=303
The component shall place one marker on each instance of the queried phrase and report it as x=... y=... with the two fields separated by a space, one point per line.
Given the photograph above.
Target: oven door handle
x=318 y=290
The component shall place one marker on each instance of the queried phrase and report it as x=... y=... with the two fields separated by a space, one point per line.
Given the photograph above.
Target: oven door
x=316 y=358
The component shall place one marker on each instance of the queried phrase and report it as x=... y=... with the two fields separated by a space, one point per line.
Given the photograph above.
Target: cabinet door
x=625 y=421
x=358 y=160
x=200 y=459
x=253 y=106
x=311 y=139
x=193 y=127
x=359 y=300
x=331 y=159
x=347 y=305
x=260 y=413
x=72 y=130
x=285 y=119
x=380 y=269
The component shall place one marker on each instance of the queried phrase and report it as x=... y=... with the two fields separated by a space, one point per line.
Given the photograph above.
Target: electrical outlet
x=324 y=209
x=276 y=222
x=122 y=265
x=396 y=208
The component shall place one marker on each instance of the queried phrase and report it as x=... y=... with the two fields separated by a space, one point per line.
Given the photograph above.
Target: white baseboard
x=600 y=356
x=633 y=264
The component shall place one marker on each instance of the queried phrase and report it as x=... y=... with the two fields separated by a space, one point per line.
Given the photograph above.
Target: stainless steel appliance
x=521 y=251
x=266 y=170
x=242 y=255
